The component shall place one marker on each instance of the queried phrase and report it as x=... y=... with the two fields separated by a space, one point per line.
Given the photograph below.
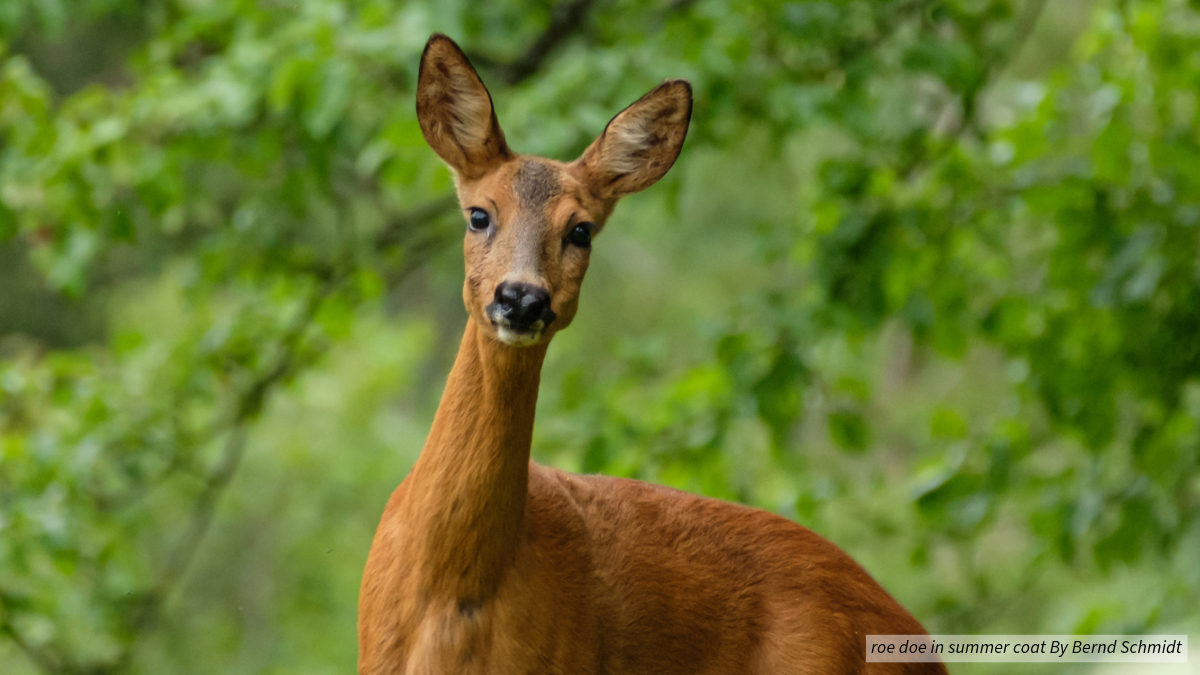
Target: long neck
x=466 y=495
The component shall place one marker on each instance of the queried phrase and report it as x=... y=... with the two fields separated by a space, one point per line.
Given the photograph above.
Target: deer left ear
x=640 y=144
x=456 y=112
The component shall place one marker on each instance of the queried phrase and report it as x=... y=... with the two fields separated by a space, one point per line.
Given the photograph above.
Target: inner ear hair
x=455 y=111
x=641 y=143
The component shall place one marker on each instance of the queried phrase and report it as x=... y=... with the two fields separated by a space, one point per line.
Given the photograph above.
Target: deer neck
x=468 y=490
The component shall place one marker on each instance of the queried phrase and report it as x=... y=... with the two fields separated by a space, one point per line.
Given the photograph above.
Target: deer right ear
x=455 y=111
x=640 y=144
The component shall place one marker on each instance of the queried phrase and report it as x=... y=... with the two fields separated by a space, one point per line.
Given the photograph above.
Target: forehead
x=535 y=183
x=529 y=184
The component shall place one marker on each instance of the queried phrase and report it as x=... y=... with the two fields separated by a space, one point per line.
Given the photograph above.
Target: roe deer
x=485 y=562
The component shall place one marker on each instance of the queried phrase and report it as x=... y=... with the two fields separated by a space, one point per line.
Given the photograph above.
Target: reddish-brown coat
x=485 y=562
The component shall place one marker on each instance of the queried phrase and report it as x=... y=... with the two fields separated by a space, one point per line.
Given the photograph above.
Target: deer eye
x=479 y=220
x=581 y=235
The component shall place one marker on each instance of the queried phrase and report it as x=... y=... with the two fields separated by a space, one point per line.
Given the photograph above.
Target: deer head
x=531 y=220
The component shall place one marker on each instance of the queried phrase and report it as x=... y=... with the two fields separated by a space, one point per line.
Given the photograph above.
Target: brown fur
x=485 y=562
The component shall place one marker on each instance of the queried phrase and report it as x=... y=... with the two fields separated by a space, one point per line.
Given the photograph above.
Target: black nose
x=522 y=305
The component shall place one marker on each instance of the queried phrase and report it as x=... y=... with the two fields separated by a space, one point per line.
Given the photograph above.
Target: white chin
x=516 y=338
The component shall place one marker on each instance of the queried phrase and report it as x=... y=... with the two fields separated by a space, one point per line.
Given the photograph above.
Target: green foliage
x=937 y=303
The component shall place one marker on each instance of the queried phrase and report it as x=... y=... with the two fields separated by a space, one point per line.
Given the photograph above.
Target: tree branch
x=250 y=401
x=41 y=659
x=403 y=225
x=931 y=152
x=565 y=19
x=247 y=405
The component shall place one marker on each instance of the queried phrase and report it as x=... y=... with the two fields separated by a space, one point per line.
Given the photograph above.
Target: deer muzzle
x=520 y=312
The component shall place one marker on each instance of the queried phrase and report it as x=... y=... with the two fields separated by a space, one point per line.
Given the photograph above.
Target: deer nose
x=522 y=306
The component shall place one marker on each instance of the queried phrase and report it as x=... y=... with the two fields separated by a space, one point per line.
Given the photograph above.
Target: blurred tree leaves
x=963 y=329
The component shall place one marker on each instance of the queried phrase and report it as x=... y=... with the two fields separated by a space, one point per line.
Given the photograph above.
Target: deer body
x=485 y=562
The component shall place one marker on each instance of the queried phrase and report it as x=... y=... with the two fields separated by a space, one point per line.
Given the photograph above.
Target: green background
x=925 y=278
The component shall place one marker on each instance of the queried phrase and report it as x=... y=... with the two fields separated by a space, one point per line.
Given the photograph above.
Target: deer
x=487 y=562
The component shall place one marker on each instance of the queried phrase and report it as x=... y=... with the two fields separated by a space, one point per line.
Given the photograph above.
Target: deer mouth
x=518 y=333
x=516 y=337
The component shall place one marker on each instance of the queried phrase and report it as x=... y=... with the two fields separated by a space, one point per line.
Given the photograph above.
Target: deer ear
x=455 y=111
x=640 y=144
